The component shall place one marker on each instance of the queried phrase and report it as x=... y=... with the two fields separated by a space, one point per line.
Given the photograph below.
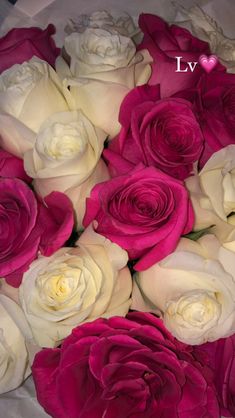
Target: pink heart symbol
x=208 y=63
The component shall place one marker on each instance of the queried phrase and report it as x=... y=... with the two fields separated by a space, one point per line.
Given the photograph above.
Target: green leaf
x=195 y=235
x=71 y=242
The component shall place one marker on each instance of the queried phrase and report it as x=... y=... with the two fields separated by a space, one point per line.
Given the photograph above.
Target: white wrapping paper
x=22 y=402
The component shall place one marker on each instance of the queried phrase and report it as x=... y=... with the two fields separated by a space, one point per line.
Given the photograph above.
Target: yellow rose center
x=59 y=286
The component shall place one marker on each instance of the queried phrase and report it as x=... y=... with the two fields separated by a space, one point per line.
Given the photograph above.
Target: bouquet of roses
x=117 y=220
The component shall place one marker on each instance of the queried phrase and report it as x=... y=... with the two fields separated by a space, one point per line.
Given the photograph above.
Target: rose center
x=21 y=77
x=63 y=141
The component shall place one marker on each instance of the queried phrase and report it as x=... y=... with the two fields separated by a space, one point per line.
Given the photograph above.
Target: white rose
x=75 y=285
x=67 y=144
x=212 y=191
x=14 y=358
x=66 y=157
x=31 y=92
x=104 y=67
x=193 y=288
x=217 y=180
x=97 y=50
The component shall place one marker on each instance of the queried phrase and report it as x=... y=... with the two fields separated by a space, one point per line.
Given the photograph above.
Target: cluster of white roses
x=57 y=122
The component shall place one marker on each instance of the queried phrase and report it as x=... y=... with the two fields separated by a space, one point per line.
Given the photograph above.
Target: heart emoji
x=208 y=63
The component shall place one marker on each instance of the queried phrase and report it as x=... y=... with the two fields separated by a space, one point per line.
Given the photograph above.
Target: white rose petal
x=212 y=193
x=14 y=358
x=217 y=179
x=104 y=67
x=94 y=93
x=66 y=158
x=67 y=145
x=31 y=92
x=15 y=137
x=193 y=288
x=73 y=286
x=76 y=193
x=97 y=50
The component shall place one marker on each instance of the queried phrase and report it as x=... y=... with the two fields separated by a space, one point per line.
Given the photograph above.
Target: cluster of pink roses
x=133 y=158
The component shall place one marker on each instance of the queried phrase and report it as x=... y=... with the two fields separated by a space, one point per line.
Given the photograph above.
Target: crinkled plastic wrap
x=22 y=402
x=59 y=11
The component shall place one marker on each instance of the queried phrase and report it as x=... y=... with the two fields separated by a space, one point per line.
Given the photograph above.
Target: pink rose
x=144 y=211
x=11 y=166
x=164 y=44
x=213 y=101
x=21 y=44
x=124 y=368
x=163 y=133
x=29 y=226
x=222 y=360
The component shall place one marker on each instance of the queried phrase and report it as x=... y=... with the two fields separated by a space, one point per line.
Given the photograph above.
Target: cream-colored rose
x=104 y=67
x=14 y=358
x=193 y=289
x=212 y=190
x=98 y=50
x=67 y=145
x=31 y=92
x=66 y=158
x=75 y=285
x=217 y=179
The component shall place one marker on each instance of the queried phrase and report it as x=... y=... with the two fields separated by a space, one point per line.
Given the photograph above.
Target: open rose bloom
x=121 y=366
x=117 y=214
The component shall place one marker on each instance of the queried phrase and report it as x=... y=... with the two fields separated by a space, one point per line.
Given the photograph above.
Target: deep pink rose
x=222 y=361
x=21 y=44
x=144 y=211
x=28 y=226
x=124 y=368
x=11 y=166
x=165 y=43
x=163 y=133
x=213 y=101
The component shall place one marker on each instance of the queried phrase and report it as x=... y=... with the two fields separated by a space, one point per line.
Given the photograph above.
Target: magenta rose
x=28 y=226
x=124 y=368
x=222 y=361
x=164 y=44
x=21 y=44
x=144 y=211
x=163 y=133
x=214 y=103
x=11 y=166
